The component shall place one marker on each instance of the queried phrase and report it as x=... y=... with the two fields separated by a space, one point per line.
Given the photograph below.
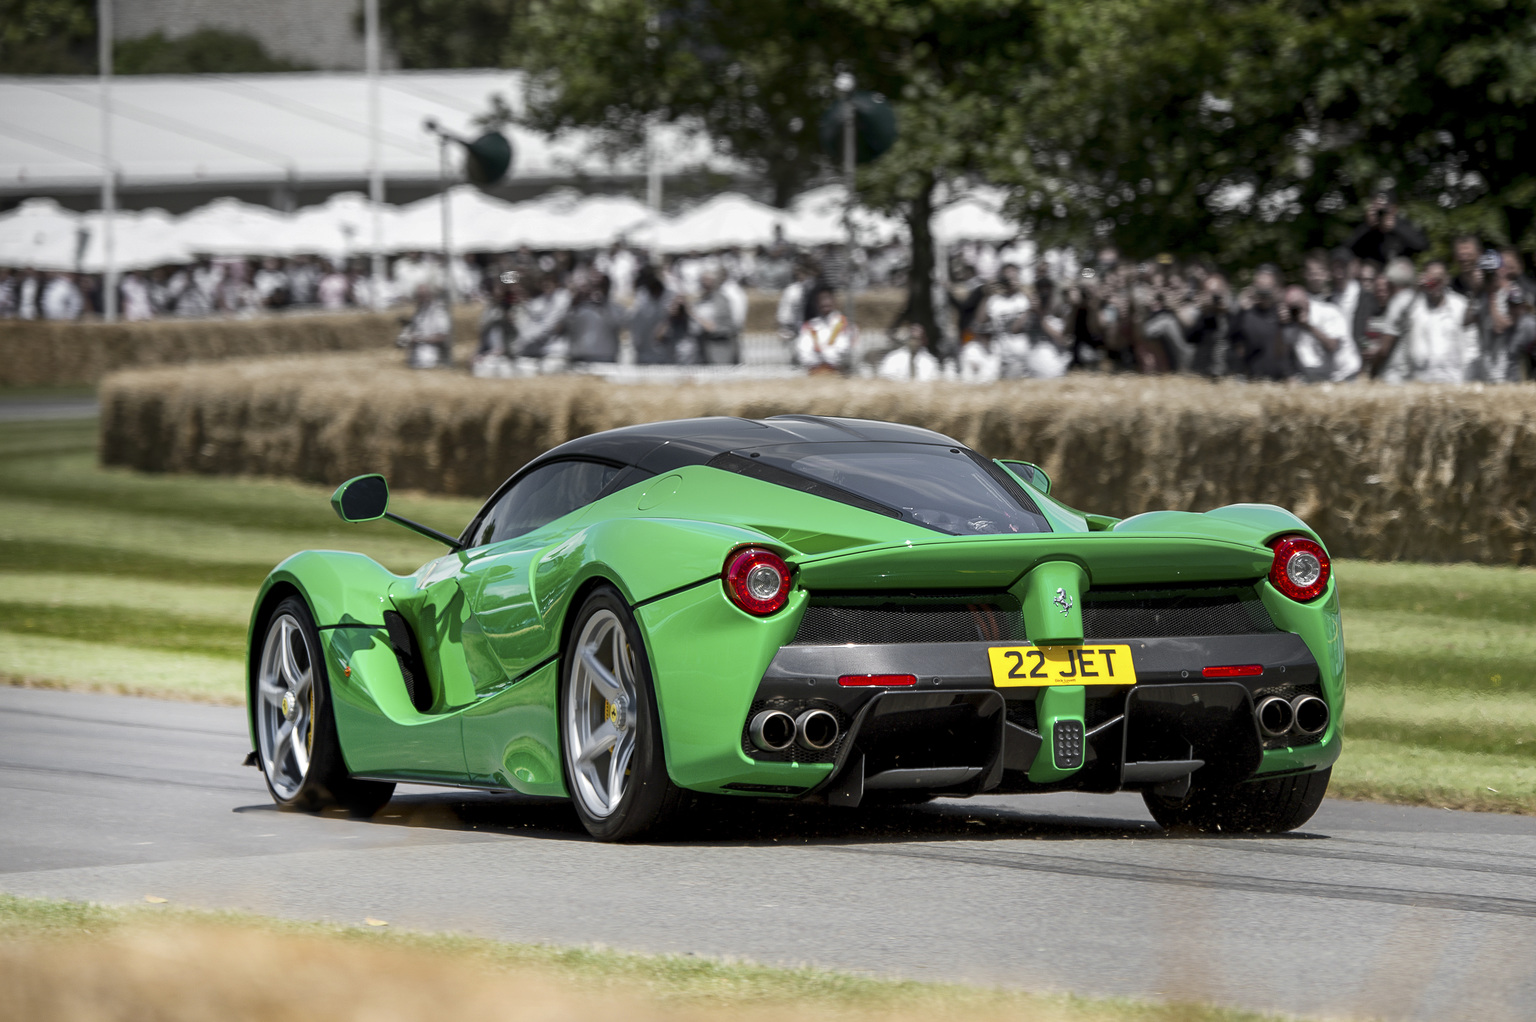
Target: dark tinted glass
x=944 y=488
x=546 y=493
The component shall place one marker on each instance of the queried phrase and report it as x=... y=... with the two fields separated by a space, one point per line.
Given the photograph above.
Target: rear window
x=946 y=489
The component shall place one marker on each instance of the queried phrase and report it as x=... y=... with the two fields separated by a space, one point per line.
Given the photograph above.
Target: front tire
x=1258 y=807
x=296 y=742
x=610 y=730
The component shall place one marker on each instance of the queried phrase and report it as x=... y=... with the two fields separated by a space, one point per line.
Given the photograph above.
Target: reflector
x=1234 y=671
x=877 y=679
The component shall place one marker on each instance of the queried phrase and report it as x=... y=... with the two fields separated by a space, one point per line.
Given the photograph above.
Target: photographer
x=1386 y=234
x=1318 y=334
x=1209 y=328
x=1258 y=345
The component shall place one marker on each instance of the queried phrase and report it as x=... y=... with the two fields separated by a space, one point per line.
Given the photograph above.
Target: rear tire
x=296 y=742
x=1258 y=807
x=610 y=730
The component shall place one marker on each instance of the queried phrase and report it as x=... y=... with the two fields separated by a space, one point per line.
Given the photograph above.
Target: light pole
x=375 y=157
x=845 y=85
x=443 y=138
x=108 y=179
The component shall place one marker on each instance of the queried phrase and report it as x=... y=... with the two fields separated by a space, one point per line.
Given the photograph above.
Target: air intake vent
x=828 y=625
x=1174 y=613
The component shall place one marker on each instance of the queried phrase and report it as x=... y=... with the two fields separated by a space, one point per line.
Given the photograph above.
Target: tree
x=451 y=33
x=47 y=37
x=1254 y=129
x=208 y=50
x=757 y=74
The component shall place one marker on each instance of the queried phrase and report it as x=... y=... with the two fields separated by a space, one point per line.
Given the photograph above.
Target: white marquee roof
x=279 y=128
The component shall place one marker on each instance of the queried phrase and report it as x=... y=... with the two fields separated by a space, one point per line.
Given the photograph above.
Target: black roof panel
x=662 y=446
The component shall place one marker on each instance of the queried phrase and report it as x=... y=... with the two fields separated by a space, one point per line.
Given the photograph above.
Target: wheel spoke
x=601 y=678
x=618 y=763
x=600 y=741
x=281 y=742
x=271 y=691
x=300 y=753
x=291 y=673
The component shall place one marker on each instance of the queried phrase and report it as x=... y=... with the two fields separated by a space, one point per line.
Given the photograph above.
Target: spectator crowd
x=1365 y=310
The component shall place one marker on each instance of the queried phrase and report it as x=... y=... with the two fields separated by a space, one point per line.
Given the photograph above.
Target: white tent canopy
x=729 y=220
x=816 y=218
x=40 y=234
x=974 y=216
x=287 y=129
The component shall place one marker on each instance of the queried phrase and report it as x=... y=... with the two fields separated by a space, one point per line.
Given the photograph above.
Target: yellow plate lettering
x=1034 y=666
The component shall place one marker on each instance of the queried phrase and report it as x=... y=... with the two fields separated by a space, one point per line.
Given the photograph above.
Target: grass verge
x=128 y=582
x=65 y=960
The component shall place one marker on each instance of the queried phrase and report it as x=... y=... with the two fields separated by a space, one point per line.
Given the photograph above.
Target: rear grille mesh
x=897 y=623
x=1107 y=614
x=1176 y=613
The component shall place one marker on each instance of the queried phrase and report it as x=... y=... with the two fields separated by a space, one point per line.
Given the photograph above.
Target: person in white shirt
x=826 y=342
x=334 y=289
x=790 y=314
x=61 y=298
x=135 y=296
x=1441 y=344
x=913 y=360
x=1005 y=317
x=428 y=336
x=979 y=362
x=1324 y=349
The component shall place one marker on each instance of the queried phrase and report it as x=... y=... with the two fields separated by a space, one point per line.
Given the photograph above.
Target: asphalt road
x=1369 y=911
x=36 y=408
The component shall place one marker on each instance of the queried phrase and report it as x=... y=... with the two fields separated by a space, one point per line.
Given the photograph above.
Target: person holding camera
x=1319 y=335
x=1259 y=347
x=1386 y=234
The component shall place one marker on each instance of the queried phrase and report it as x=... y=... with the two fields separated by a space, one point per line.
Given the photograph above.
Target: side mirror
x=361 y=499
x=1031 y=473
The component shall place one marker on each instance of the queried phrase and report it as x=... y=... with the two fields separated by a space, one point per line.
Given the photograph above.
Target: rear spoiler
x=999 y=562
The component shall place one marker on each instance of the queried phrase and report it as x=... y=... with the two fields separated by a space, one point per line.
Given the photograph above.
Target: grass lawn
x=139 y=583
x=68 y=961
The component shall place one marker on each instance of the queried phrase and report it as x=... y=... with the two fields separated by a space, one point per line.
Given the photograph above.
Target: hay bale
x=1415 y=473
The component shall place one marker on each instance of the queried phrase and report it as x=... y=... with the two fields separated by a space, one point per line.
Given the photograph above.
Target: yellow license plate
x=1033 y=666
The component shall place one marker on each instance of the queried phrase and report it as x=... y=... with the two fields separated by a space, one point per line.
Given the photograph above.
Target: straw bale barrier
x=36 y=353
x=1417 y=473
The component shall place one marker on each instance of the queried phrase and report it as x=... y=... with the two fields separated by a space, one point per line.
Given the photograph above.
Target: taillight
x=757 y=581
x=1300 y=569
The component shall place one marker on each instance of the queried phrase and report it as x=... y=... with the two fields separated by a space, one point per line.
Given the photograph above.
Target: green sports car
x=831 y=610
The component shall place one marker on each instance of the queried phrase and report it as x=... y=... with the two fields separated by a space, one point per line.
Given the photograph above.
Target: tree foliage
x=451 y=33
x=47 y=37
x=1257 y=128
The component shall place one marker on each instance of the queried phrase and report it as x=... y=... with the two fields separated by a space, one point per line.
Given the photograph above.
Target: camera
x=1490 y=261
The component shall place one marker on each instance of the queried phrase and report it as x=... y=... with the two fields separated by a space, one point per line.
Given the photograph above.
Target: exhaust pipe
x=817 y=729
x=1276 y=716
x=772 y=730
x=1311 y=714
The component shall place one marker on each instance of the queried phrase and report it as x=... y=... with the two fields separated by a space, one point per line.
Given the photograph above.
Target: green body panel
x=707 y=657
x=491 y=620
x=1321 y=627
x=1056 y=703
x=512 y=738
x=1052 y=596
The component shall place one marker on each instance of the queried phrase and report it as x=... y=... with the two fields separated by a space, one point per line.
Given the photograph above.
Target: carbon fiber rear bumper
x=954 y=732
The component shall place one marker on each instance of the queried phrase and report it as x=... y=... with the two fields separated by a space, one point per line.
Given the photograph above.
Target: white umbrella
x=231 y=227
x=339 y=227
x=479 y=223
x=730 y=220
x=973 y=217
x=40 y=234
x=816 y=218
x=140 y=241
